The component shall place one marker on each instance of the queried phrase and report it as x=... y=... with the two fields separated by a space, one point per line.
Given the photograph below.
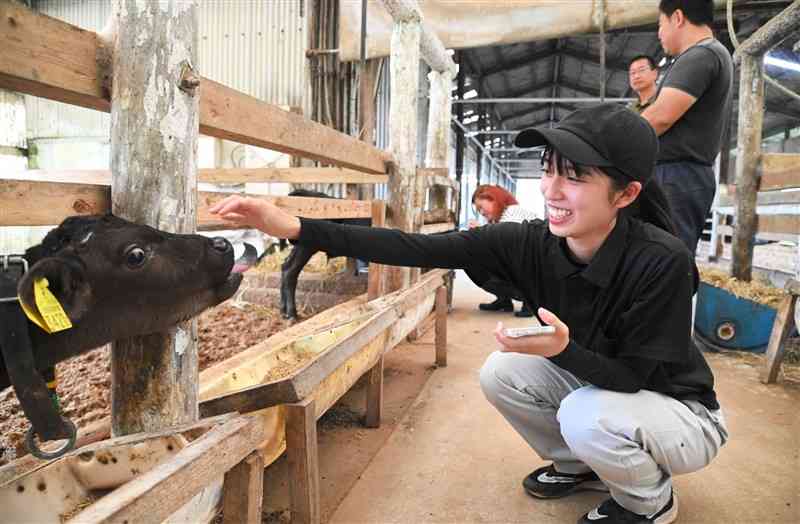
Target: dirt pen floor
x=444 y=455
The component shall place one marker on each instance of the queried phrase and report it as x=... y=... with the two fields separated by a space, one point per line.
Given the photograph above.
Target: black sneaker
x=609 y=512
x=501 y=304
x=547 y=483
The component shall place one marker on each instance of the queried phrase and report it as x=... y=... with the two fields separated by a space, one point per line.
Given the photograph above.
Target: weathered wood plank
x=302 y=454
x=764 y=198
x=782 y=224
x=45 y=57
x=779 y=171
x=374 y=410
x=298 y=206
x=429 y=229
x=48 y=203
x=375 y=278
x=48 y=58
x=405 y=188
x=309 y=378
x=299 y=175
x=437 y=177
x=305 y=380
x=441 y=326
x=155 y=495
x=339 y=382
x=226 y=113
x=751 y=120
x=33 y=203
x=153 y=160
x=437 y=216
x=291 y=175
x=243 y=491
x=777 y=339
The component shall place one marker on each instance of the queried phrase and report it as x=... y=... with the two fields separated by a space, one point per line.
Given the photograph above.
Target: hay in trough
x=760 y=292
x=319 y=263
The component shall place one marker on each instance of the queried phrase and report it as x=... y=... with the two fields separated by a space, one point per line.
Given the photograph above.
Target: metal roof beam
x=521 y=114
x=519 y=63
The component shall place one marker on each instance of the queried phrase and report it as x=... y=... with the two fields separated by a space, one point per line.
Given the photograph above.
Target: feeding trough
x=723 y=320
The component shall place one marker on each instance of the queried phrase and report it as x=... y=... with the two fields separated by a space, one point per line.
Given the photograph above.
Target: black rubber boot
x=501 y=304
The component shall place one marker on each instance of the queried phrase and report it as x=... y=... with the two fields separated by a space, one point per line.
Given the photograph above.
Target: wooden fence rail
x=48 y=58
x=56 y=200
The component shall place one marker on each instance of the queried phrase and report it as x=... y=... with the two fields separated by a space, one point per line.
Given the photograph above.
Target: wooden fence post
x=751 y=119
x=244 y=491
x=375 y=289
x=154 y=130
x=375 y=280
x=438 y=145
x=405 y=207
x=440 y=309
x=303 y=459
x=367 y=111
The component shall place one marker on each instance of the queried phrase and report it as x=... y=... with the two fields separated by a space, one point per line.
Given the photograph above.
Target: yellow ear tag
x=51 y=316
x=33 y=316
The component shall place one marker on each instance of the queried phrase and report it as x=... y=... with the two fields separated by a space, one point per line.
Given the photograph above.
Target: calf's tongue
x=247 y=260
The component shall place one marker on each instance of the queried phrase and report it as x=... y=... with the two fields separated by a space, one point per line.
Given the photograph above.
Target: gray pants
x=635 y=442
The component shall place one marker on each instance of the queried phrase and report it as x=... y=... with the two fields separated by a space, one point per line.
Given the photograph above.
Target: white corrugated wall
x=48 y=119
x=256 y=47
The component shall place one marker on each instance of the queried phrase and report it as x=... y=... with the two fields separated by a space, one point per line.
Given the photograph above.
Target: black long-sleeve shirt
x=628 y=310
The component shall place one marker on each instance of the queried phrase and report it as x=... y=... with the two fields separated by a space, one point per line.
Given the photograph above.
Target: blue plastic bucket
x=732 y=322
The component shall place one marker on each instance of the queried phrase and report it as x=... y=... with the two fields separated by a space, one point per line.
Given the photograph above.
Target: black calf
x=299 y=257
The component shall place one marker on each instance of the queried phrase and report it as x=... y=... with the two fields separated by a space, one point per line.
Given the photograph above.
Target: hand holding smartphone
x=532 y=331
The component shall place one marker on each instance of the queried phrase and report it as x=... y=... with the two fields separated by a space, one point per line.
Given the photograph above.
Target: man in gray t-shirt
x=693 y=101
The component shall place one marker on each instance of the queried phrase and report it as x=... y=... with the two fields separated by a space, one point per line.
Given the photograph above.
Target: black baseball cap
x=605 y=135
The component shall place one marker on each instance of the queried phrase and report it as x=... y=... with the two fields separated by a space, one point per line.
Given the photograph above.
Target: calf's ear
x=66 y=277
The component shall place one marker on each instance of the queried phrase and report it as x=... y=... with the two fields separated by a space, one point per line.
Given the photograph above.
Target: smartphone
x=533 y=331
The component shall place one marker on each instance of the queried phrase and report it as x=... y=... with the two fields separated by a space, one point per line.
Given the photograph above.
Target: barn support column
x=154 y=130
x=438 y=144
x=751 y=119
x=405 y=206
x=460 y=142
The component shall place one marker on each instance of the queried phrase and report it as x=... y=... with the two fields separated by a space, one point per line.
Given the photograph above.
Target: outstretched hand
x=258 y=213
x=542 y=345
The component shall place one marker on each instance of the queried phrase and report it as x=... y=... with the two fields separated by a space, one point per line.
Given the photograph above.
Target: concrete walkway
x=453 y=459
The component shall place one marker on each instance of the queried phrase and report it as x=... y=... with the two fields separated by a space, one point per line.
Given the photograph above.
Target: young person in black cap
x=617 y=398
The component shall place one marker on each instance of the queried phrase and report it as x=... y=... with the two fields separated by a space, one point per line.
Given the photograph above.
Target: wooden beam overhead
x=48 y=58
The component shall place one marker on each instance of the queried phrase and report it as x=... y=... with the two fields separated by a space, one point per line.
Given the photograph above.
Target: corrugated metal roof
x=570 y=68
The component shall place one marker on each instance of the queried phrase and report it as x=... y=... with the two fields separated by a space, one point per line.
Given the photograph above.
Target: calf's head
x=116 y=279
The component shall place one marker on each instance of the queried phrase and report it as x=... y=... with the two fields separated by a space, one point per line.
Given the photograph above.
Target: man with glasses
x=642 y=75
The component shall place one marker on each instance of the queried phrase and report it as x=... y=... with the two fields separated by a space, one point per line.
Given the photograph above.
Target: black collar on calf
x=39 y=406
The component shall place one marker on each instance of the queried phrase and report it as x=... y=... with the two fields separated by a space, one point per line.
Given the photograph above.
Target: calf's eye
x=135 y=257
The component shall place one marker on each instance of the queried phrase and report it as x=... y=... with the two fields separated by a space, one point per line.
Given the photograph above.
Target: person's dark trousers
x=690 y=189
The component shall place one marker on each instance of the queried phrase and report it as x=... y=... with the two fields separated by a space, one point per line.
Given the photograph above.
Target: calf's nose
x=221 y=245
